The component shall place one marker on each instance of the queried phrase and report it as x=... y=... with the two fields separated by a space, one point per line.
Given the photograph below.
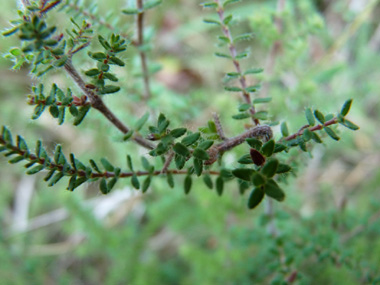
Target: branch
x=258 y=131
x=139 y=44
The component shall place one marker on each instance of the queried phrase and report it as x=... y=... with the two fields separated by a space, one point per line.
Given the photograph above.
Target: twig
x=233 y=52
x=139 y=44
x=219 y=127
x=97 y=103
x=315 y=128
x=168 y=160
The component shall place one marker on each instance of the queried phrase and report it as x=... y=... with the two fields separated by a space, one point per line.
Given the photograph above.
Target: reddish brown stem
x=315 y=128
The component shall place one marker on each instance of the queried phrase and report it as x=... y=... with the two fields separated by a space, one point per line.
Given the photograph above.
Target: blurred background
x=327 y=231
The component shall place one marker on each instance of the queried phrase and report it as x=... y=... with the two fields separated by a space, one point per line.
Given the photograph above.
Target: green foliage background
x=329 y=225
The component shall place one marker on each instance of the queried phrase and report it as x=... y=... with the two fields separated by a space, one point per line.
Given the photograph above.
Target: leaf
x=349 y=125
x=283 y=168
x=255 y=198
x=209 y=5
x=128 y=135
x=268 y=148
x=151 y=4
x=261 y=115
x=82 y=112
x=346 y=107
x=205 y=145
x=190 y=139
x=35 y=169
x=103 y=186
x=245 y=159
x=254 y=71
x=116 y=60
x=198 y=166
x=58 y=176
x=219 y=185
x=307 y=135
x=169 y=179
x=274 y=191
x=227 y=20
x=21 y=143
x=243 y=186
x=130 y=11
x=255 y=143
x=241 y=116
x=316 y=138
x=108 y=89
x=319 y=116
x=179 y=132
x=107 y=165
x=262 y=100
x=16 y=159
x=181 y=149
x=146 y=184
x=279 y=147
x=187 y=184
x=270 y=167
x=201 y=154
x=129 y=163
x=233 y=88
x=74 y=110
x=211 y=21
x=258 y=179
x=331 y=133
x=140 y=123
x=228 y=2
x=243 y=37
x=179 y=161
x=61 y=114
x=309 y=117
x=244 y=107
x=135 y=181
x=208 y=181
x=284 y=129
x=243 y=173
x=92 y=72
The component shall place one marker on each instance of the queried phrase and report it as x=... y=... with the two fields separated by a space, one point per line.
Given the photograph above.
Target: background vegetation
x=327 y=231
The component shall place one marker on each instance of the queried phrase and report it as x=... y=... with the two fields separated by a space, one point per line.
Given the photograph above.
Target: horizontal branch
x=315 y=128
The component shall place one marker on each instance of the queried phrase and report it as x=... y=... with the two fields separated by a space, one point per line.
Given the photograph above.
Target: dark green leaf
x=243 y=173
x=283 y=168
x=190 y=139
x=54 y=180
x=146 y=184
x=107 y=165
x=35 y=169
x=219 y=185
x=92 y=72
x=309 y=117
x=331 y=133
x=108 y=89
x=349 y=125
x=129 y=163
x=319 y=116
x=208 y=181
x=254 y=71
x=346 y=107
x=169 y=179
x=135 y=181
x=181 y=149
x=284 y=129
x=258 y=179
x=279 y=147
x=103 y=186
x=270 y=167
x=176 y=133
x=198 y=166
x=244 y=107
x=274 y=191
x=201 y=154
x=233 y=88
x=179 y=161
x=81 y=114
x=116 y=60
x=268 y=148
x=241 y=116
x=262 y=100
x=245 y=159
x=307 y=135
x=205 y=145
x=255 y=198
x=316 y=138
x=187 y=184
x=254 y=143
x=211 y=21
x=130 y=11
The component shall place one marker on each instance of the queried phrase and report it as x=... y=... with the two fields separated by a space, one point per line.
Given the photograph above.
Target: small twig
x=168 y=160
x=97 y=103
x=140 y=43
x=315 y=128
x=219 y=127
